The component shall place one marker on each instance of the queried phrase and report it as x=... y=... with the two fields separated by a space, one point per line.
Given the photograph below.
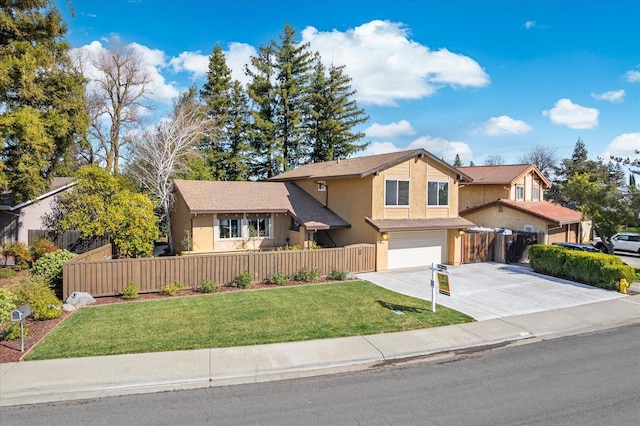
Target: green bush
x=7 y=273
x=7 y=304
x=20 y=252
x=337 y=275
x=279 y=278
x=42 y=246
x=12 y=331
x=49 y=266
x=307 y=275
x=207 y=286
x=130 y=291
x=35 y=292
x=243 y=280
x=173 y=288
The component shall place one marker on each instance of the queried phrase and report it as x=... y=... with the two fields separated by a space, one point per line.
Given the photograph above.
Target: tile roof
x=501 y=174
x=358 y=167
x=258 y=197
x=543 y=209
x=390 y=225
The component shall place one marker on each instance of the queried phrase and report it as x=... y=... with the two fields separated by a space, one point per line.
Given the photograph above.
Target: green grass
x=240 y=318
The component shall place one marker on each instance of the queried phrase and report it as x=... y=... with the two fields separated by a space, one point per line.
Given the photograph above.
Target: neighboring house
x=511 y=197
x=406 y=203
x=17 y=220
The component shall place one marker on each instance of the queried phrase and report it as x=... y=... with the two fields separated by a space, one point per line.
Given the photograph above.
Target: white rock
x=68 y=308
x=80 y=298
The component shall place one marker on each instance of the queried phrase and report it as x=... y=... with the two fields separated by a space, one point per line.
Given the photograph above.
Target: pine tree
x=457 y=162
x=333 y=115
x=237 y=128
x=42 y=113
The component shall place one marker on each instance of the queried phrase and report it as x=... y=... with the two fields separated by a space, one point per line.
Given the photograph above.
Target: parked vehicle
x=622 y=241
x=580 y=247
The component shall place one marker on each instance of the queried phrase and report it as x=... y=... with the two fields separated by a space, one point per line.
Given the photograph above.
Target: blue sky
x=474 y=78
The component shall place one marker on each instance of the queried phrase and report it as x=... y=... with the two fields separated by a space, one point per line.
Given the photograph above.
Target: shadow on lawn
x=401 y=308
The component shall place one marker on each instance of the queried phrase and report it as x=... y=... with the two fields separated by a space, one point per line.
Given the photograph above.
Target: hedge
x=596 y=269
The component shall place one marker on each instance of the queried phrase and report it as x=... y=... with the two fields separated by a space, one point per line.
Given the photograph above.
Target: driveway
x=493 y=290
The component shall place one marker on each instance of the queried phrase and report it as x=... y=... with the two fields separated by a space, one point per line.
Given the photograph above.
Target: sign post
x=440 y=273
x=19 y=315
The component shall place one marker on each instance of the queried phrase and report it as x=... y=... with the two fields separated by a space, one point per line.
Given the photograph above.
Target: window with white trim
x=396 y=192
x=519 y=192
x=259 y=225
x=230 y=228
x=536 y=193
x=437 y=193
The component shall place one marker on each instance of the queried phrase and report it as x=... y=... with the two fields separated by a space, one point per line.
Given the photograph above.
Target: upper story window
x=536 y=193
x=396 y=193
x=230 y=228
x=437 y=193
x=519 y=192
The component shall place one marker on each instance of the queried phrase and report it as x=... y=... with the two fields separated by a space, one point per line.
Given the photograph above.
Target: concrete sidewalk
x=31 y=382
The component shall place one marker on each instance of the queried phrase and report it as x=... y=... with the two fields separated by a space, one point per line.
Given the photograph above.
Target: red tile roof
x=543 y=209
x=258 y=197
x=359 y=167
x=505 y=174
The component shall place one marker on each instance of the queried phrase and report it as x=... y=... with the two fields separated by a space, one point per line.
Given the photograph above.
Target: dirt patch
x=10 y=349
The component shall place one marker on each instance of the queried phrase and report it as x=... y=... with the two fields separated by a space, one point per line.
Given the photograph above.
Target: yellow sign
x=443 y=284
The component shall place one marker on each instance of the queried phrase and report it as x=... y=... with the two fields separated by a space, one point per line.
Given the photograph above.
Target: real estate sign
x=443 y=284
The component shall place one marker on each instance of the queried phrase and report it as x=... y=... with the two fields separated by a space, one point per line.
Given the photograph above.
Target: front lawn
x=240 y=318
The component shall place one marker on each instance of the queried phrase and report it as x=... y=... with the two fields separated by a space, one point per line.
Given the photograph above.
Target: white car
x=622 y=241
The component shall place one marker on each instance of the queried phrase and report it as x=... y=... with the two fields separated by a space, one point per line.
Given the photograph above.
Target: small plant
x=288 y=248
x=173 y=288
x=42 y=246
x=243 y=280
x=187 y=241
x=7 y=304
x=207 y=286
x=42 y=311
x=20 y=253
x=307 y=275
x=279 y=278
x=130 y=291
x=35 y=292
x=12 y=331
x=49 y=266
x=314 y=246
x=7 y=273
x=337 y=275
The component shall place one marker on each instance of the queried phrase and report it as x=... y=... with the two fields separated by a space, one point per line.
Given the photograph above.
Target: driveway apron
x=493 y=290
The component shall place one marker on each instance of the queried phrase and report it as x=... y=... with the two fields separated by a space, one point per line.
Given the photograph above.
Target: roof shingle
x=501 y=174
x=543 y=209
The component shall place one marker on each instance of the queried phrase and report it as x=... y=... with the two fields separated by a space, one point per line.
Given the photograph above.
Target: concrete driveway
x=493 y=290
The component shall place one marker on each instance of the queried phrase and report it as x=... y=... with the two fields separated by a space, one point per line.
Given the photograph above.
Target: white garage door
x=416 y=248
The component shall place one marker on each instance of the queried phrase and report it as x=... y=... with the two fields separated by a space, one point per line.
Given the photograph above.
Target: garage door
x=416 y=248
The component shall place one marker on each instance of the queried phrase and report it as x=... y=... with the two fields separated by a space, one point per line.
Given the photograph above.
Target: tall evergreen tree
x=457 y=162
x=42 y=112
x=333 y=115
x=237 y=128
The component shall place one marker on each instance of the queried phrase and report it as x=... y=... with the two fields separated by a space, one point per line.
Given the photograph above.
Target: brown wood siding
x=99 y=277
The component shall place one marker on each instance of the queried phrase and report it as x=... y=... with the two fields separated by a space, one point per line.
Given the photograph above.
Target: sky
x=473 y=78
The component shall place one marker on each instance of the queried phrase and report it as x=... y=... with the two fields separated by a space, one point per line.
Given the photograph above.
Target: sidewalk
x=31 y=382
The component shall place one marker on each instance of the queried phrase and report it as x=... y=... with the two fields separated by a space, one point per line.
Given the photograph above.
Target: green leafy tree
x=333 y=115
x=42 y=111
x=105 y=205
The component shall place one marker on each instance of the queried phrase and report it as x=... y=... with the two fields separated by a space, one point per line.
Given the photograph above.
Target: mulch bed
x=37 y=330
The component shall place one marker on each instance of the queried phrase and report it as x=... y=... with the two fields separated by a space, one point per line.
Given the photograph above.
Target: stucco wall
x=505 y=217
x=180 y=222
x=476 y=195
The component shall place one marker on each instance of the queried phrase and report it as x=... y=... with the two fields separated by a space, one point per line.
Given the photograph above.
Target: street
x=587 y=379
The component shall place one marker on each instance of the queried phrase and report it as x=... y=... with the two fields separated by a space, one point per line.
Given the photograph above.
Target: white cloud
x=399 y=128
x=194 y=62
x=386 y=66
x=613 y=96
x=502 y=125
x=529 y=24
x=443 y=148
x=574 y=116
x=624 y=145
x=238 y=55
x=633 y=76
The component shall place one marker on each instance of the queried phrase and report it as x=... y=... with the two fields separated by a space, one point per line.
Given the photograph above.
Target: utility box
x=21 y=313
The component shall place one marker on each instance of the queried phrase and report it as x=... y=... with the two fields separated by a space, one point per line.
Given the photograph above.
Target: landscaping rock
x=79 y=299
x=68 y=308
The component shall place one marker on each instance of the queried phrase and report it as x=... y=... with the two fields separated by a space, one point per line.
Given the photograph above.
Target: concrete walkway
x=493 y=290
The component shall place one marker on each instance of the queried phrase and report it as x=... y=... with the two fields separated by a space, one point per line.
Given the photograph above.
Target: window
x=519 y=193
x=259 y=226
x=438 y=193
x=536 y=193
x=230 y=228
x=322 y=186
x=397 y=193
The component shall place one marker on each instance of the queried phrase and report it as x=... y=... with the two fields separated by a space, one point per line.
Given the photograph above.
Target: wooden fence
x=92 y=274
x=68 y=240
x=490 y=246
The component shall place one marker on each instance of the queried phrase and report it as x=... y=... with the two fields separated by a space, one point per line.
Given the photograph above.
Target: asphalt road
x=591 y=379
x=631 y=259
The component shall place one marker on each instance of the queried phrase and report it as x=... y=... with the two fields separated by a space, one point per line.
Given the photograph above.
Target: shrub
x=130 y=291
x=173 y=288
x=49 y=266
x=288 y=248
x=279 y=278
x=243 y=280
x=307 y=275
x=314 y=246
x=12 y=331
x=20 y=252
x=35 y=292
x=337 y=275
x=42 y=246
x=7 y=273
x=7 y=304
x=207 y=286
